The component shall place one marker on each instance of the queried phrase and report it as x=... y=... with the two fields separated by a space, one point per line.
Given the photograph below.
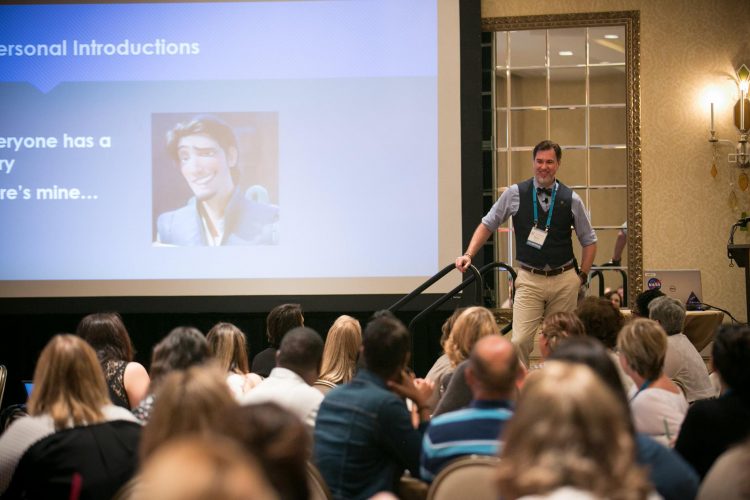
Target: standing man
x=543 y=211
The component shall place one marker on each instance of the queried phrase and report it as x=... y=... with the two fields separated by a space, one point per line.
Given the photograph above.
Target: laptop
x=681 y=284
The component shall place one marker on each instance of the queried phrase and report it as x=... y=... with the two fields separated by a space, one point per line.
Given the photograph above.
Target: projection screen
x=238 y=148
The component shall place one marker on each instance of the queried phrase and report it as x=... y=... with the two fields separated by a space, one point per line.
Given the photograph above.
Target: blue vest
x=558 y=247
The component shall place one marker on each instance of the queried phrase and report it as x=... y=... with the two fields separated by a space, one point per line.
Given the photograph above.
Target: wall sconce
x=741 y=156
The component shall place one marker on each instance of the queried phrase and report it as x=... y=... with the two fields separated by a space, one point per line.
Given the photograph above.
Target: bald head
x=493 y=368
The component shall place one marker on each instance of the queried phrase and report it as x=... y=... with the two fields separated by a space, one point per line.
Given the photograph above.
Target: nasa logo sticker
x=654 y=284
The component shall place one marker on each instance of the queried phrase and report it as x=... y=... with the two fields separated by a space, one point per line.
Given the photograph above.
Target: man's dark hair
x=601 y=319
x=546 y=146
x=382 y=313
x=731 y=357
x=280 y=320
x=644 y=299
x=211 y=126
x=386 y=345
x=301 y=350
x=182 y=348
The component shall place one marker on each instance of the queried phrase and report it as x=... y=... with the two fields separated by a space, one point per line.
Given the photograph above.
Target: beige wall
x=686 y=47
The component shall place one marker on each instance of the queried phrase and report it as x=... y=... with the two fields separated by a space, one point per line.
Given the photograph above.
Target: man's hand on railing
x=611 y=263
x=463 y=262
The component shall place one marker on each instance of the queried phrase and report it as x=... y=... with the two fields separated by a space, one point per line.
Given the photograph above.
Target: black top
x=264 y=362
x=103 y=456
x=558 y=247
x=114 y=372
x=711 y=426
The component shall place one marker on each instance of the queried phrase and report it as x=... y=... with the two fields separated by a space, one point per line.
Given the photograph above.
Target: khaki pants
x=536 y=297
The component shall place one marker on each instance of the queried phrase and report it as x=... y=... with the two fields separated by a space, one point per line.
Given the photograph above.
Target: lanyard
x=551 y=206
x=643 y=386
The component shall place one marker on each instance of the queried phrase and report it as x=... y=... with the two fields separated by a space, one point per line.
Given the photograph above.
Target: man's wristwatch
x=584 y=277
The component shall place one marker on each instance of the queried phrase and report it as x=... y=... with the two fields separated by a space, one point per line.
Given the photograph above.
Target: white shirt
x=659 y=413
x=290 y=391
x=240 y=384
x=686 y=367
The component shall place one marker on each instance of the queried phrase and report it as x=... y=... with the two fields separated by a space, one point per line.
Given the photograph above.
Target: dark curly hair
x=601 y=319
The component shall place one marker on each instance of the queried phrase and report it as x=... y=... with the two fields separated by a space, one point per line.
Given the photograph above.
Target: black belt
x=551 y=272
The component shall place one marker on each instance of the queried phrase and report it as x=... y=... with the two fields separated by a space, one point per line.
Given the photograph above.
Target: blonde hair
x=341 y=349
x=473 y=324
x=200 y=467
x=643 y=343
x=559 y=326
x=188 y=401
x=569 y=429
x=69 y=384
x=228 y=345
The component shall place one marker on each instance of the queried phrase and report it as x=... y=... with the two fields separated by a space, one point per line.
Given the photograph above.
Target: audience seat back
x=466 y=477
x=318 y=487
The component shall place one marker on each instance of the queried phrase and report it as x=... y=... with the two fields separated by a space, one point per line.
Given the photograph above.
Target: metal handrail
x=427 y=284
x=597 y=271
x=478 y=275
x=492 y=265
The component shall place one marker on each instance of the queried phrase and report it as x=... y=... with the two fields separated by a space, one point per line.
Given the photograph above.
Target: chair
x=324 y=386
x=466 y=477
x=318 y=487
x=3 y=379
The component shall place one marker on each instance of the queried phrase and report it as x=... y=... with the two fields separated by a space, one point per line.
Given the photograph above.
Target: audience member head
x=556 y=327
x=382 y=313
x=731 y=357
x=669 y=313
x=492 y=370
x=182 y=348
x=445 y=329
x=106 y=333
x=228 y=345
x=642 y=344
x=69 y=384
x=643 y=300
x=199 y=468
x=278 y=440
x=600 y=319
x=341 y=350
x=280 y=320
x=614 y=297
x=386 y=346
x=592 y=353
x=569 y=430
x=547 y=145
x=191 y=401
x=300 y=351
x=471 y=325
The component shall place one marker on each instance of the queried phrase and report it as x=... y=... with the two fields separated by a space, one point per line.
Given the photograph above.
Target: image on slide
x=215 y=178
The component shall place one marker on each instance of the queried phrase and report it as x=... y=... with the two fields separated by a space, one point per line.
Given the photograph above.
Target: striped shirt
x=474 y=430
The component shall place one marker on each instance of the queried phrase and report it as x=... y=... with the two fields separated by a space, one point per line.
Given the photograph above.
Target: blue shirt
x=507 y=206
x=364 y=438
x=470 y=431
x=673 y=477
